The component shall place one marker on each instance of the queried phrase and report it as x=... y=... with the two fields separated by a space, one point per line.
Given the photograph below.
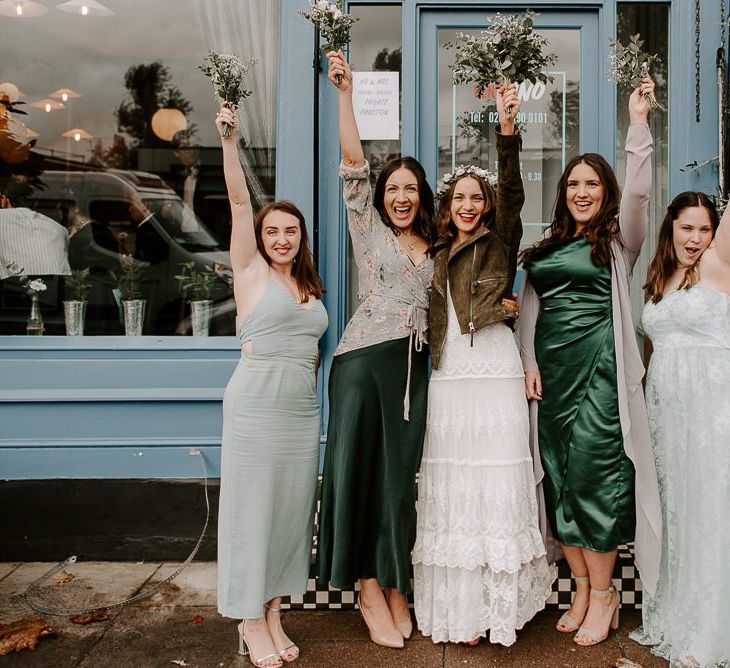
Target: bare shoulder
x=249 y=285
x=714 y=272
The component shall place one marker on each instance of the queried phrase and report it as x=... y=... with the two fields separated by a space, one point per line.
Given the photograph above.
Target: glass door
x=456 y=124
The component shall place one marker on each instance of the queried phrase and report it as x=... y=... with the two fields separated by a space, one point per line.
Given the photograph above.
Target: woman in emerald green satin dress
x=581 y=362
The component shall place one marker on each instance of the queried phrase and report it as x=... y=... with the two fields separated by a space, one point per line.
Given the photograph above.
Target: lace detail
x=688 y=406
x=479 y=559
x=493 y=353
x=461 y=605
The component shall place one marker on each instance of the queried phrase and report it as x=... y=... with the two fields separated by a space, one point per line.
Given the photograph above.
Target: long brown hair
x=602 y=228
x=423 y=223
x=304 y=271
x=444 y=225
x=664 y=263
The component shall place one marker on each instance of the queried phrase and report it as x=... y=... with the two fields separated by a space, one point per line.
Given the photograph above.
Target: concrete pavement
x=179 y=625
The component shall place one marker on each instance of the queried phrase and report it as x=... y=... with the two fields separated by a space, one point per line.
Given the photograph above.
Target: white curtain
x=249 y=28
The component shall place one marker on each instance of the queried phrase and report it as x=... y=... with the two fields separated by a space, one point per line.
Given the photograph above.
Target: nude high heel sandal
x=289 y=649
x=566 y=624
x=244 y=650
x=594 y=637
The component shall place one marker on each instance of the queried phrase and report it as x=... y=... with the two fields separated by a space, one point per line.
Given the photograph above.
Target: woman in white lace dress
x=479 y=559
x=687 y=318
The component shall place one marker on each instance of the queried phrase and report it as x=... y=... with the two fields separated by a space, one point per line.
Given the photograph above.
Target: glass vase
x=200 y=312
x=34 y=325
x=74 y=313
x=133 y=316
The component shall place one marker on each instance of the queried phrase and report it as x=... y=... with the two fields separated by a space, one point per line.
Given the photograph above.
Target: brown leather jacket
x=480 y=270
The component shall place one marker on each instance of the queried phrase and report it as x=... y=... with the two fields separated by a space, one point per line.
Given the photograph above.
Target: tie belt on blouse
x=416 y=321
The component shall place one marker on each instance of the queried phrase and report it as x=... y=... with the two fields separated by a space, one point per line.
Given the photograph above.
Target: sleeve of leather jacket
x=510 y=190
x=529 y=309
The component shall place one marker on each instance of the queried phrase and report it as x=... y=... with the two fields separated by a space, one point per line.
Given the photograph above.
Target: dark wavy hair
x=601 y=229
x=665 y=261
x=444 y=225
x=423 y=223
x=304 y=271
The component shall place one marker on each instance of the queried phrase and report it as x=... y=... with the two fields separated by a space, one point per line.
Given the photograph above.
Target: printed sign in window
x=375 y=98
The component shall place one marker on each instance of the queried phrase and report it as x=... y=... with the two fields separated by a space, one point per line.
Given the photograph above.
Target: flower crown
x=463 y=170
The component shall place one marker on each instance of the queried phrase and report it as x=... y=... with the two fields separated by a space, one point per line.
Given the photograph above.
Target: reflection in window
x=107 y=148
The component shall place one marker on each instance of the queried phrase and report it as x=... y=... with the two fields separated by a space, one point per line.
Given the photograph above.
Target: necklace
x=409 y=241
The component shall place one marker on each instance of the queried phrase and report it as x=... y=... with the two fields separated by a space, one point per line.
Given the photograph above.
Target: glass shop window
x=110 y=163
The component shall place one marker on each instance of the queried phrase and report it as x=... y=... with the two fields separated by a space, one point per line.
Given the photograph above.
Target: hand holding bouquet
x=508 y=51
x=333 y=24
x=630 y=66
x=228 y=73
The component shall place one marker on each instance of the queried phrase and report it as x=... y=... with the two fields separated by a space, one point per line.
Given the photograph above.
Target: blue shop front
x=109 y=163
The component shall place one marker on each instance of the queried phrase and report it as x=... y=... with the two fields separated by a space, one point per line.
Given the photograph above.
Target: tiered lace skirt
x=479 y=558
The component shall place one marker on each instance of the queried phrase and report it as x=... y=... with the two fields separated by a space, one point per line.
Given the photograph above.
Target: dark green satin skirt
x=367 y=519
x=589 y=480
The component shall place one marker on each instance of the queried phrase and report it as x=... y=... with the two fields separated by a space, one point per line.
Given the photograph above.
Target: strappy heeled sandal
x=290 y=649
x=568 y=623
x=245 y=650
x=594 y=637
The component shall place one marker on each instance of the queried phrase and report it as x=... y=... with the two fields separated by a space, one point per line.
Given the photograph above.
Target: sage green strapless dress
x=589 y=480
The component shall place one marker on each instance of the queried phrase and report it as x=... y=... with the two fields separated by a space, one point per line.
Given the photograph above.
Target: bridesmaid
x=687 y=317
x=582 y=364
x=271 y=420
x=378 y=384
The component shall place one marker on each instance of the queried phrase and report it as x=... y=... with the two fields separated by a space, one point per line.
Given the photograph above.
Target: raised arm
x=722 y=237
x=633 y=216
x=243 y=239
x=352 y=153
x=510 y=189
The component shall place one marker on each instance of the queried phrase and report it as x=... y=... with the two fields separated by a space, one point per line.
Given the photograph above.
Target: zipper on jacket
x=472 y=329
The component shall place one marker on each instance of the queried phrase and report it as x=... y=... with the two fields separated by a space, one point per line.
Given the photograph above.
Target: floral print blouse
x=392 y=291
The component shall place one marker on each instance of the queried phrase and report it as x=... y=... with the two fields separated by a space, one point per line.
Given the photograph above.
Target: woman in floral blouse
x=378 y=384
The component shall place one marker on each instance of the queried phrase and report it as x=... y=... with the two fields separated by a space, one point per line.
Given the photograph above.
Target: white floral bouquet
x=332 y=22
x=508 y=51
x=629 y=65
x=32 y=286
x=463 y=170
x=228 y=72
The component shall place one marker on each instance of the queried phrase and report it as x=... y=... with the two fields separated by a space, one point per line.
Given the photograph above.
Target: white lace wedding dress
x=688 y=402
x=479 y=559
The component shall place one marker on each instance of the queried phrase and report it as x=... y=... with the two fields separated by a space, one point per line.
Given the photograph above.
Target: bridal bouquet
x=228 y=72
x=629 y=65
x=508 y=51
x=332 y=22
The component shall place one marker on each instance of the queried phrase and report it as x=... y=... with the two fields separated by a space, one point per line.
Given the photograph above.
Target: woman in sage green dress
x=271 y=419
x=582 y=364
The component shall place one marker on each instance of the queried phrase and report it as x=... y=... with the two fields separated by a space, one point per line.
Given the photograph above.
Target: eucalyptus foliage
x=332 y=22
x=228 y=73
x=508 y=51
x=630 y=64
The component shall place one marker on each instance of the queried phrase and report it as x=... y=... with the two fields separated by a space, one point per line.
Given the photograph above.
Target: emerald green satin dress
x=589 y=480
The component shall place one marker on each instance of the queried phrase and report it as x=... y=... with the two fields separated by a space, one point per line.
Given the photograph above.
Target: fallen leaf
x=197 y=620
x=180 y=662
x=623 y=662
x=90 y=618
x=62 y=577
x=25 y=634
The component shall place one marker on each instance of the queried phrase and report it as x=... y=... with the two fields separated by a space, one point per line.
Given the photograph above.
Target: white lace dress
x=688 y=402
x=479 y=559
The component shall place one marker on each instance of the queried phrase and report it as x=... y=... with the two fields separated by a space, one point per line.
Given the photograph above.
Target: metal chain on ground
x=33 y=588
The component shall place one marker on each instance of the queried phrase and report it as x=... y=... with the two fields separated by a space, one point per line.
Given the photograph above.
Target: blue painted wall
x=116 y=407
